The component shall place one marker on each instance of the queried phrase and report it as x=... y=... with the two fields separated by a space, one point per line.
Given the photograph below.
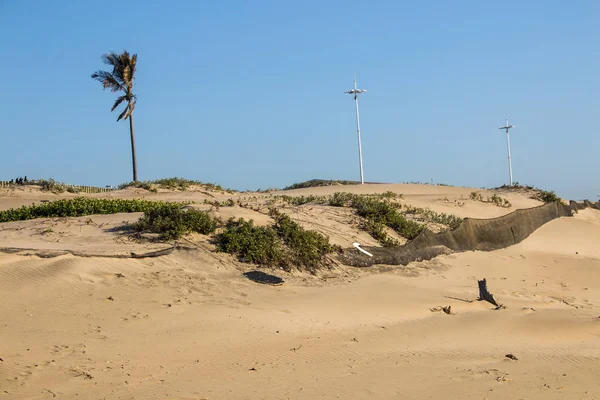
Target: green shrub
x=77 y=207
x=377 y=231
x=341 y=199
x=378 y=209
x=285 y=244
x=307 y=248
x=171 y=221
x=547 y=196
x=252 y=244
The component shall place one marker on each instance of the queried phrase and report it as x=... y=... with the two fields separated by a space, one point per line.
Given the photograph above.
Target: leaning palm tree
x=121 y=80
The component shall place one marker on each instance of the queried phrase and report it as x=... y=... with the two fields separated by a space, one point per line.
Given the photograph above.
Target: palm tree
x=121 y=80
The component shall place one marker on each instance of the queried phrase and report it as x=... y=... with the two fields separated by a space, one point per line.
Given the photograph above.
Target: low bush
x=77 y=207
x=494 y=199
x=285 y=244
x=500 y=201
x=546 y=196
x=171 y=221
x=307 y=249
x=252 y=244
x=377 y=231
x=380 y=210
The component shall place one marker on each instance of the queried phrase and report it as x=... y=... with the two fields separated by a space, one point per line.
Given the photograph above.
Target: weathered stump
x=484 y=294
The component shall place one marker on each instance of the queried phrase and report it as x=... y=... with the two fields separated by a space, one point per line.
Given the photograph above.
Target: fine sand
x=78 y=323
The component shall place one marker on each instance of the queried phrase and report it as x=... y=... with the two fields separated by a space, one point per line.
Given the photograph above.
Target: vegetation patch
x=307 y=249
x=78 y=207
x=538 y=194
x=494 y=199
x=298 y=200
x=146 y=185
x=171 y=221
x=427 y=215
x=546 y=196
x=173 y=184
x=378 y=231
x=252 y=244
x=379 y=209
x=217 y=204
x=285 y=244
x=318 y=183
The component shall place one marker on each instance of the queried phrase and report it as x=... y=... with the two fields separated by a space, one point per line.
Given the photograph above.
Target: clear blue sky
x=250 y=94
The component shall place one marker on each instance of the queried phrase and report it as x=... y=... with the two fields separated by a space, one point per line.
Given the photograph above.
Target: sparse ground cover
x=494 y=199
x=173 y=184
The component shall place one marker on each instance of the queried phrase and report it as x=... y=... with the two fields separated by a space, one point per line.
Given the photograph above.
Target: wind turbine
x=356 y=92
x=507 y=127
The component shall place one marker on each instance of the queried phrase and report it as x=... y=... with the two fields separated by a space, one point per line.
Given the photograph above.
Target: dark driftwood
x=484 y=294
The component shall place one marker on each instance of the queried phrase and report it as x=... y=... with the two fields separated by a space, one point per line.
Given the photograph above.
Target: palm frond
x=119 y=101
x=108 y=81
x=124 y=114
x=116 y=61
x=133 y=64
x=113 y=59
x=127 y=68
x=130 y=107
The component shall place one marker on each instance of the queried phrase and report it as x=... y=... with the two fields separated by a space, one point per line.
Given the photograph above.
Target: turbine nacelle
x=356 y=91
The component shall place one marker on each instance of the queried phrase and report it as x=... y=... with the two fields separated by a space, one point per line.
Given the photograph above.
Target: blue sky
x=249 y=94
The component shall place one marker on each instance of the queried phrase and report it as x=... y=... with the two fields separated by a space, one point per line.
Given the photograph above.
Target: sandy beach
x=77 y=322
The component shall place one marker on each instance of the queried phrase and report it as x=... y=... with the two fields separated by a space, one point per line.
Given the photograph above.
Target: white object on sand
x=357 y=245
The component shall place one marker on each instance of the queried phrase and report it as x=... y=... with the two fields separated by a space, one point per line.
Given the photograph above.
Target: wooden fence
x=68 y=188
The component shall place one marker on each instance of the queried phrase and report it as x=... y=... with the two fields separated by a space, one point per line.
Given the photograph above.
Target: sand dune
x=189 y=326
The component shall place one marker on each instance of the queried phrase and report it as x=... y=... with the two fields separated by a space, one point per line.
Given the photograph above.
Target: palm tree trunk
x=133 y=148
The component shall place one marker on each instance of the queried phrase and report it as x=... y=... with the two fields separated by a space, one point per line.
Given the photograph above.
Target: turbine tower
x=507 y=127
x=356 y=92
